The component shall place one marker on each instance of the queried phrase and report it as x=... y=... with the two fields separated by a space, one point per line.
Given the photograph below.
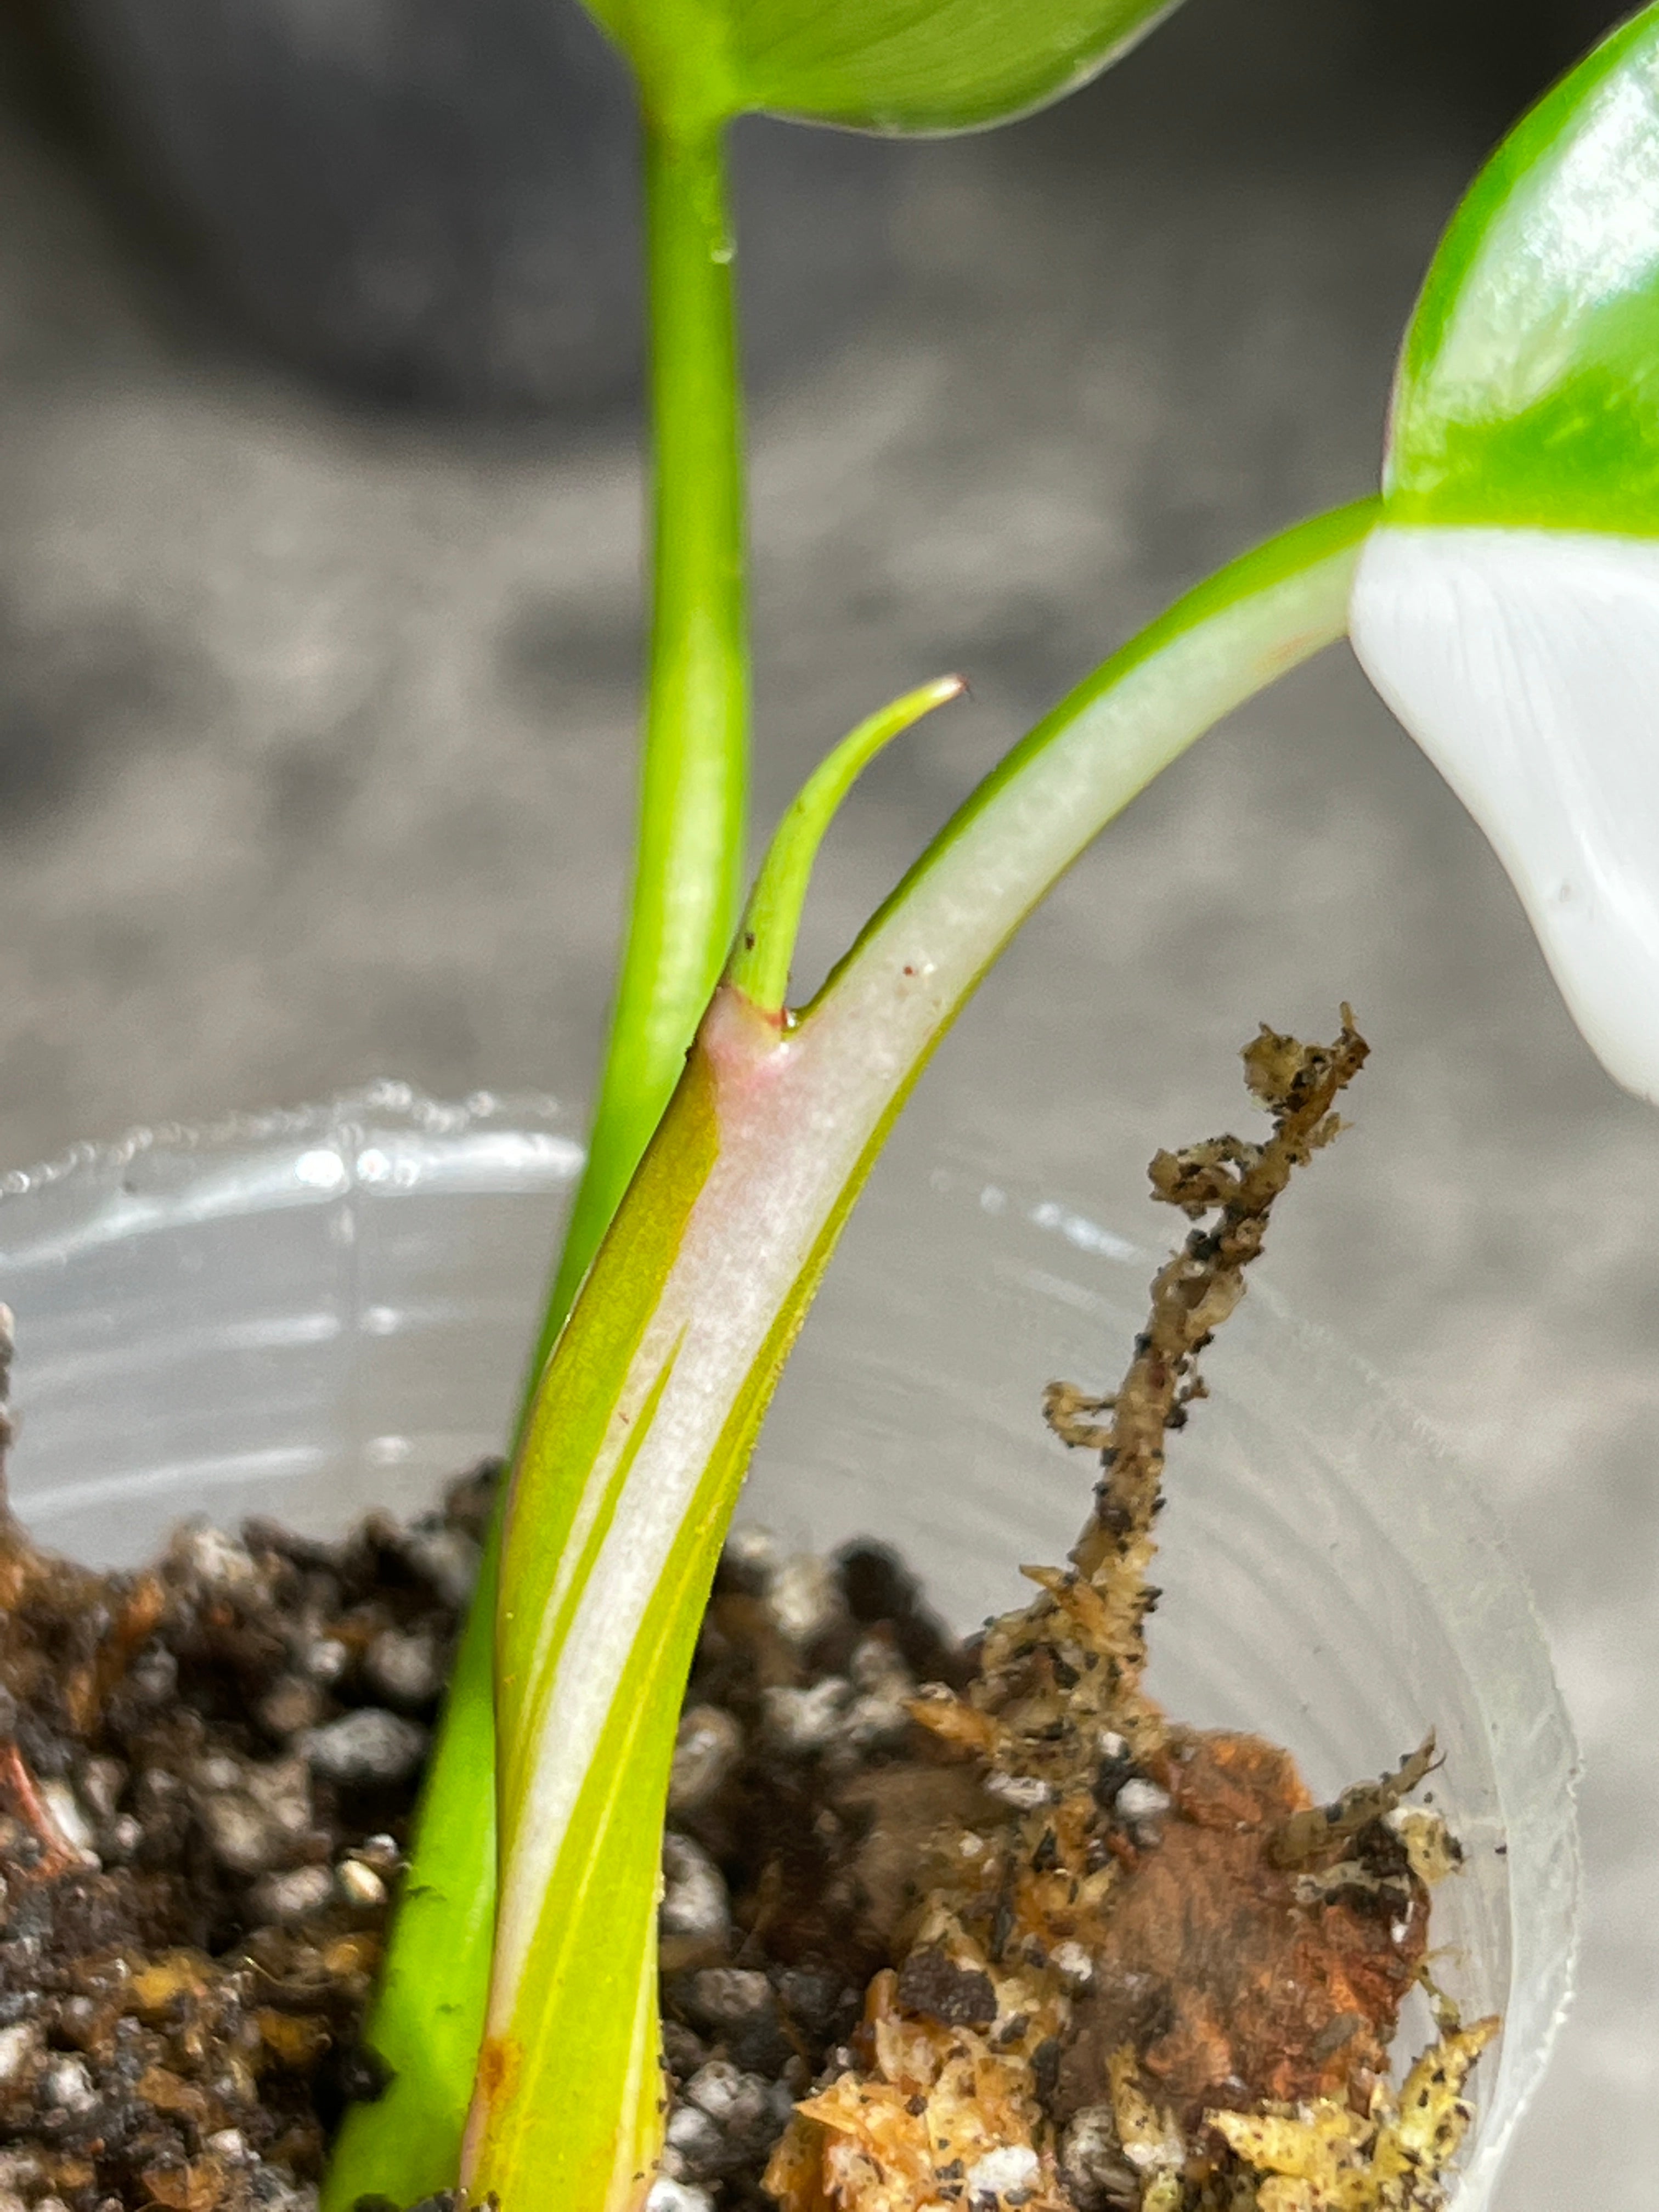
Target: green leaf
x=1529 y=388
x=891 y=65
x=926 y=65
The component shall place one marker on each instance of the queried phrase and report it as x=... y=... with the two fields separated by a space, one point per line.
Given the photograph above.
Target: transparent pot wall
x=308 y=1314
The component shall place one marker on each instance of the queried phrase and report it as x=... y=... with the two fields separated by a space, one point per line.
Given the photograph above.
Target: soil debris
x=1182 y=1968
x=203 y=1803
x=206 y=1791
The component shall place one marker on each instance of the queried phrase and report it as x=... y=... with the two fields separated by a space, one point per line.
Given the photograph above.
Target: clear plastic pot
x=313 y=1311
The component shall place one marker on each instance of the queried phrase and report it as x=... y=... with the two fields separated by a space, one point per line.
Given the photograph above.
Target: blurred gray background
x=318 y=597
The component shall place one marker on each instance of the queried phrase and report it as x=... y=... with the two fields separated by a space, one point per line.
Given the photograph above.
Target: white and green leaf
x=1507 y=609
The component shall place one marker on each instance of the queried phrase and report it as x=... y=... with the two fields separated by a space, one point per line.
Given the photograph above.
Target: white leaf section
x=1525 y=665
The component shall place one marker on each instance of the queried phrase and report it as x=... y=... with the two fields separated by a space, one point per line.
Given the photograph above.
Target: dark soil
x=208 y=1779
x=207 y=1772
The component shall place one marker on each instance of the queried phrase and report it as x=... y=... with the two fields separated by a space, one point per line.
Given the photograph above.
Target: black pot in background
x=435 y=202
x=1496 y=56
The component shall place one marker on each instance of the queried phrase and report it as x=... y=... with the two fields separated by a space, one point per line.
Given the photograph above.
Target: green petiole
x=428 y=2019
x=690 y=867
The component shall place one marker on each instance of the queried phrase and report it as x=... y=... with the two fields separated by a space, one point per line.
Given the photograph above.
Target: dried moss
x=1197 y=1973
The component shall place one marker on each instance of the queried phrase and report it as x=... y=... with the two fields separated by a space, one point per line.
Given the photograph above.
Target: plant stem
x=428 y=2019
x=646 y=1414
x=688 y=876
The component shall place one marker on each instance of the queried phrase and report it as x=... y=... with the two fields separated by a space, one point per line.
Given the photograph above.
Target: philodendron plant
x=1502 y=593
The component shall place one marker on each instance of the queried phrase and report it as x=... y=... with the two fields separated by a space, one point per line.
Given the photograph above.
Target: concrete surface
x=315 y=736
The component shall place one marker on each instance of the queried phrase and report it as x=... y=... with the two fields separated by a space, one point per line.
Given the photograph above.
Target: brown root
x=1173 y=1948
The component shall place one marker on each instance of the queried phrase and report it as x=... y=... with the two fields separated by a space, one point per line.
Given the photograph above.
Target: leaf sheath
x=642 y=1429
